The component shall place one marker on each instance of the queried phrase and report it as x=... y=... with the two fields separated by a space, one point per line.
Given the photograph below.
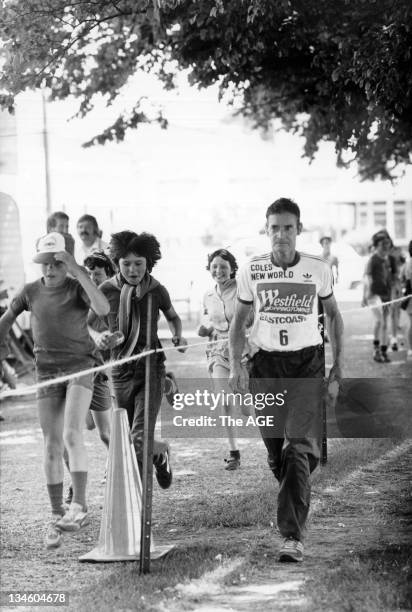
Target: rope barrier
x=30 y=389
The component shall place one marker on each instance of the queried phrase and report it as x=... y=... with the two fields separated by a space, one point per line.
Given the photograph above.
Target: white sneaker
x=75 y=518
x=54 y=536
x=291 y=551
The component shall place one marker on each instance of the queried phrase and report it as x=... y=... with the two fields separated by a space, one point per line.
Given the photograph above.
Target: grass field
x=223 y=524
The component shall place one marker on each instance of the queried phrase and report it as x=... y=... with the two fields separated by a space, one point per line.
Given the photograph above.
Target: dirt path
x=367 y=514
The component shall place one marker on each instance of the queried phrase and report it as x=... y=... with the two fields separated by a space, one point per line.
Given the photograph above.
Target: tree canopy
x=335 y=70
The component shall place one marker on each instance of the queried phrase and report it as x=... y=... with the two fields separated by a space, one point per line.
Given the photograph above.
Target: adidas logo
x=307 y=276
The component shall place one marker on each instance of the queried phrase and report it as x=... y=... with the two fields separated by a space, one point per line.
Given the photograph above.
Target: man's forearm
x=336 y=336
x=237 y=337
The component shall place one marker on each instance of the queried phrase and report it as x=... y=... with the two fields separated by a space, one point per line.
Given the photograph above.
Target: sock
x=55 y=492
x=376 y=344
x=384 y=348
x=235 y=454
x=79 y=481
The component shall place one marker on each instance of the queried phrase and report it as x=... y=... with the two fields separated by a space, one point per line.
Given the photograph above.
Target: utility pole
x=46 y=155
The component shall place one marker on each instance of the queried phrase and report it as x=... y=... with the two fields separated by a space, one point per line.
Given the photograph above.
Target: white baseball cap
x=47 y=246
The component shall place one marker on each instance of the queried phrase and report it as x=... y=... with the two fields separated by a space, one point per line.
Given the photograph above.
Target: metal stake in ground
x=148 y=435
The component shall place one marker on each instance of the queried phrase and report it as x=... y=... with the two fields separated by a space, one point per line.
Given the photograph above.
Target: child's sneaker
x=75 y=518
x=163 y=469
x=291 y=551
x=232 y=463
x=54 y=536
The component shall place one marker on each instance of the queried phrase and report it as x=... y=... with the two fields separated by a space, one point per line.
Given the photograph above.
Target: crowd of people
x=91 y=304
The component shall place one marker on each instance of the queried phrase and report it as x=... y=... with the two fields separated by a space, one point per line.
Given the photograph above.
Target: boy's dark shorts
x=101 y=399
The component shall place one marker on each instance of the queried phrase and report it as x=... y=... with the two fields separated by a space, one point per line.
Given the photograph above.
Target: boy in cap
x=59 y=303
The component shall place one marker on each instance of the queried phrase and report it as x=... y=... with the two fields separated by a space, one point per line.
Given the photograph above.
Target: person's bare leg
x=220 y=376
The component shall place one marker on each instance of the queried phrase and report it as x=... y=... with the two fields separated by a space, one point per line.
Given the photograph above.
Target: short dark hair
x=91 y=220
x=53 y=218
x=283 y=205
x=99 y=259
x=227 y=256
x=144 y=245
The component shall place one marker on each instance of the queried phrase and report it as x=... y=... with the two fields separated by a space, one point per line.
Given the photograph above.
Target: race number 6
x=283 y=337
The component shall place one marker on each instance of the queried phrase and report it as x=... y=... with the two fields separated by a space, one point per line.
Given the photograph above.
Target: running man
x=283 y=286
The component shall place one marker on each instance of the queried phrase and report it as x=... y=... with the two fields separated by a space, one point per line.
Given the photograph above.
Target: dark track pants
x=129 y=387
x=294 y=453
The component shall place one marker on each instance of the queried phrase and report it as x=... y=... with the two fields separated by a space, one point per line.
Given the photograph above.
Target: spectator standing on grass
x=90 y=237
x=328 y=256
x=283 y=287
x=135 y=255
x=218 y=309
x=379 y=278
x=59 y=306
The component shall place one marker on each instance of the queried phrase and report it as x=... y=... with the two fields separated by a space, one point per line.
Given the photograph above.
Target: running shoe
x=385 y=358
x=291 y=551
x=75 y=518
x=53 y=534
x=232 y=463
x=163 y=469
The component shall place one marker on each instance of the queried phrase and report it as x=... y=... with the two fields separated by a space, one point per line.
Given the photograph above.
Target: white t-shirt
x=285 y=301
x=82 y=251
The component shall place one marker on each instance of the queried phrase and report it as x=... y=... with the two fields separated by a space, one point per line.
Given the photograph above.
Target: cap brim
x=44 y=258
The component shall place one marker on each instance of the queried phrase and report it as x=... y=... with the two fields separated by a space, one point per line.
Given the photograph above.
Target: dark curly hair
x=143 y=245
x=99 y=259
x=227 y=256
